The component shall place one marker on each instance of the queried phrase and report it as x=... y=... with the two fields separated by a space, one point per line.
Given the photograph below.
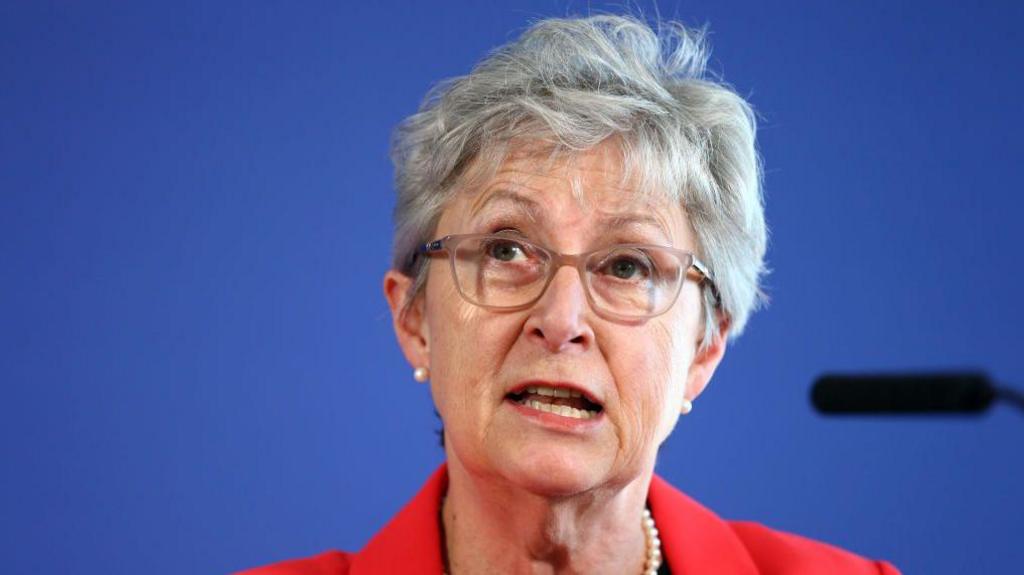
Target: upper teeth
x=553 y=392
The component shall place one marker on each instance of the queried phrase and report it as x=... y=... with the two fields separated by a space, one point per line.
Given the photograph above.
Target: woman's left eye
x=626 y=268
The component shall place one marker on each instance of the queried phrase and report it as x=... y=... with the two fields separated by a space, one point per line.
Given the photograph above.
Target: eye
x=623 y=268
x=627 y=266
x=504 y=250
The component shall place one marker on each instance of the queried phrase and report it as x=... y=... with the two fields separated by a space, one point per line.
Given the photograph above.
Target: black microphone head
x=934 y=393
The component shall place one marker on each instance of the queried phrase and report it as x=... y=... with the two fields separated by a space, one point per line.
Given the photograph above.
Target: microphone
x=909 y=393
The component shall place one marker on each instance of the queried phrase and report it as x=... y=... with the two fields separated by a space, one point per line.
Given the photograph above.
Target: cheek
x=679 y=352
x=671 y=360
x=451 y=320
x=653 y=382
x=466 y=348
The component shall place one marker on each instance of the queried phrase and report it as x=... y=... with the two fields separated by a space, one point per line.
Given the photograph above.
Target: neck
x=491 y=525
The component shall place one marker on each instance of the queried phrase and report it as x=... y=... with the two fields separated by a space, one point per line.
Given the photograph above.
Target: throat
x=469 y=546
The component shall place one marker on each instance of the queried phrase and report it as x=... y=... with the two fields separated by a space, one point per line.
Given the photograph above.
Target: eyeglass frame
x=449 y=242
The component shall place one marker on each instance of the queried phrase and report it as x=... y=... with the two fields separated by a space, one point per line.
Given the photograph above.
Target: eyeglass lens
x=628 y=281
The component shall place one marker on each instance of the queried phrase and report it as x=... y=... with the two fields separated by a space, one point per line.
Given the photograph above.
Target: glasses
x=626 y=281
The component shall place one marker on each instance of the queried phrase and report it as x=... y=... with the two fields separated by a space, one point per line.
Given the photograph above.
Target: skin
x=523 y=497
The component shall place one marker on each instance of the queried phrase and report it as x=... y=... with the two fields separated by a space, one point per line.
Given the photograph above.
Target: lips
x=559 y=398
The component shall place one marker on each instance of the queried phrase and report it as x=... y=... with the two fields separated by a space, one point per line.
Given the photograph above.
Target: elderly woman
x=579 y=231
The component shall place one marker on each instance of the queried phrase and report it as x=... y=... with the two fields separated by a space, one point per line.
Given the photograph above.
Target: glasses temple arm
x=706 y=278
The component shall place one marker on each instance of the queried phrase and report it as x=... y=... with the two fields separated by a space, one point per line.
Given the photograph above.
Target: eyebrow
x=536 y=213
x=531 y=207
x=625 y=220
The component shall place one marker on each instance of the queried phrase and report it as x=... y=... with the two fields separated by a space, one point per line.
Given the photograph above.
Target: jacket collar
x=693 y=539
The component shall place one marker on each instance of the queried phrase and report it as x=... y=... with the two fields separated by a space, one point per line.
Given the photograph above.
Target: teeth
x=563 y=410
x=553 y=392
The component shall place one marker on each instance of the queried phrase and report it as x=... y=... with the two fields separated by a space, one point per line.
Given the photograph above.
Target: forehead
x=596 y=178
x=564 y=187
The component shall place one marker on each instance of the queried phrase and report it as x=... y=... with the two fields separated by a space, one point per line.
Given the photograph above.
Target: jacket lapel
x=693 y=539
x=411 y=542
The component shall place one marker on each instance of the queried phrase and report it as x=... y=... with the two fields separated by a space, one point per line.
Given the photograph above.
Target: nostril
x=577 y=339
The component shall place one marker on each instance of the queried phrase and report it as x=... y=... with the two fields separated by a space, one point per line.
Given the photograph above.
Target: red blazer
x=694 y=542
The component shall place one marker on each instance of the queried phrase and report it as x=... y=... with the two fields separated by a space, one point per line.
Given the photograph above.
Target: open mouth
x=556 y=400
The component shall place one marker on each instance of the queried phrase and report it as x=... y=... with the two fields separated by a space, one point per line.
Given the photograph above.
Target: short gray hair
x=571 y=84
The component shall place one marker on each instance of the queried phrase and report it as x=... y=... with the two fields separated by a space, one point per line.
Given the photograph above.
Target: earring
x=421 y=374
x=687 y=406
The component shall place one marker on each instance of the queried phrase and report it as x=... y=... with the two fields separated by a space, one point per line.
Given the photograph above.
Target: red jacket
x=694 y=541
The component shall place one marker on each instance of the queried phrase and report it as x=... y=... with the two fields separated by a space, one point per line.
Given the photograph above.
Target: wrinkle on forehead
x=540 y=171
x=541 y=200
x=517 y=162
x=518 y=202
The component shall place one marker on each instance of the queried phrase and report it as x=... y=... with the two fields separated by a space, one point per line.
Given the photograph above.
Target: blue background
x=198 y=368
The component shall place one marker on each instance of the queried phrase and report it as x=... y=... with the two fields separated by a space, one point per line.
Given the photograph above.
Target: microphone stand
x=910 y=393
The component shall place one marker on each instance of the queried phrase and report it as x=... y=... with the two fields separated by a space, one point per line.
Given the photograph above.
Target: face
x=483 y=362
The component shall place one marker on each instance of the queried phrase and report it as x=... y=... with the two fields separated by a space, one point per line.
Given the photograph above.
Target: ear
x=706 y=360
x=409 y=323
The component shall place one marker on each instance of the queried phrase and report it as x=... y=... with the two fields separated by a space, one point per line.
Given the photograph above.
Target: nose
x=559 y=320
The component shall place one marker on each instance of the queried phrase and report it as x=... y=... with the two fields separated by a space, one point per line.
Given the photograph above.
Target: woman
x=579 y=231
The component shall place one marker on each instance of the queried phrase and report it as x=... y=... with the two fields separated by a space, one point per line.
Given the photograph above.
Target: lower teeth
x=563 y=410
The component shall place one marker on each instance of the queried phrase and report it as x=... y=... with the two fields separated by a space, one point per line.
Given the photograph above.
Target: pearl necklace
x=653 y=560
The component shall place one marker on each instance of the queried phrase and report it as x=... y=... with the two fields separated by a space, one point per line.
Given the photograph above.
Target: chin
x=554 y=472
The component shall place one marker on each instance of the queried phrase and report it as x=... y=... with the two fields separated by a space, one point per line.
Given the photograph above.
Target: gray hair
x=571 y=84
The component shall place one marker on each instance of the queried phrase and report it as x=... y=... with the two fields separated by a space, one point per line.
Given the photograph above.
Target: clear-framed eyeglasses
x=625 y=281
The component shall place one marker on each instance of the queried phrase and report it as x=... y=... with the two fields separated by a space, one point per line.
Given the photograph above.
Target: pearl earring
x=687 y=406
x=421 y=374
